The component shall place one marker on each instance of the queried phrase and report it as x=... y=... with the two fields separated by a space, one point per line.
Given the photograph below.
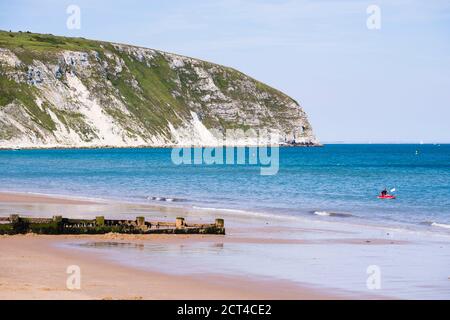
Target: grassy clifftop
x=78 y=92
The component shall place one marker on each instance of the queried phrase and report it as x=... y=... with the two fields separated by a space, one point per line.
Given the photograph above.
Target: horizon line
x=385 y=142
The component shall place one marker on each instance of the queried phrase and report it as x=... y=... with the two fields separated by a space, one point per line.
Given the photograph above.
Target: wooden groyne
x=14 y=224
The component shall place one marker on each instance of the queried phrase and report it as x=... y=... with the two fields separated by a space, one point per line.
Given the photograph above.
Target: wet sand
x=34 y=267
x=7 y=197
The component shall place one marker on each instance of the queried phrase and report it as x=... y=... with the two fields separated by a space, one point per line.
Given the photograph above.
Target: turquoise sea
x=330 y=182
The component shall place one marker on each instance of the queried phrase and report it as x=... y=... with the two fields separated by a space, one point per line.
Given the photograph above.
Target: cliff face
x=73 y=92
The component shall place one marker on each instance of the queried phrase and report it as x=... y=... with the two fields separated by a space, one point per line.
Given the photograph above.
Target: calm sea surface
x=338 y=180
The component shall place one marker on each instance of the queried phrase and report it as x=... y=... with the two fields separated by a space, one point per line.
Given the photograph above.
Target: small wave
x=164 y=199
x=440 y=225
x=436 y=224
x=264 y=215
x=322 y=213
x=223 y=210
x=332 y=214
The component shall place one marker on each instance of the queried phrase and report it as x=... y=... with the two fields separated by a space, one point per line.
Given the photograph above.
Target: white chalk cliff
x=73 y=92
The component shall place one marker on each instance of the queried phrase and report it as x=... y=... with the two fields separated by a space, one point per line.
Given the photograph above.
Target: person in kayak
x=384 y=193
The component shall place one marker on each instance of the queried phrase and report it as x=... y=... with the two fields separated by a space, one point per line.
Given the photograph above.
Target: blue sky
x=356 y=84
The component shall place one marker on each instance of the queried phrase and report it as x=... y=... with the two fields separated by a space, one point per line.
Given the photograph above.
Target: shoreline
x=280 y=258
x=280 y=145
x=31 y=197
x=257 y=222
x=29 y=262
x=175 y=206
x=317 y=145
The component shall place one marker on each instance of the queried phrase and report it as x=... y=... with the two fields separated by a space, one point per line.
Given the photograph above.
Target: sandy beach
x=33 y=267
x=117 y=266
x=7 y=197
x=224 y=150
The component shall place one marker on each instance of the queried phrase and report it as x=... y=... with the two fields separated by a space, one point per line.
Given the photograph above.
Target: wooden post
x=179 y=223
x=140 y=222
x=13 y=218
x=220 y=223
x=100 y=221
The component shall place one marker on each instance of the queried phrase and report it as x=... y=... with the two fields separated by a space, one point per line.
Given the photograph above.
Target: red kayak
x=388 y=196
